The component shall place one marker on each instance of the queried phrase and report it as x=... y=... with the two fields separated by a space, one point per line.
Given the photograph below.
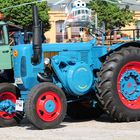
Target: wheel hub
x=50 y=106
x=7 y=106
x=130 y=85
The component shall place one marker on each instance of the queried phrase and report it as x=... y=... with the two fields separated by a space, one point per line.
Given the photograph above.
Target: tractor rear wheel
x=8 y=95
x=46 y=106
x=119 y=84
x=83 y=110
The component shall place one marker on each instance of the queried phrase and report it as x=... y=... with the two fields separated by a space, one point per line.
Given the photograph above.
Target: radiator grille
x=84 y=56
x=50 y=54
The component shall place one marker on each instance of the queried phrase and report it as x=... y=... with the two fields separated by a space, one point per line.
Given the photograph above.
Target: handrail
x=133 y=30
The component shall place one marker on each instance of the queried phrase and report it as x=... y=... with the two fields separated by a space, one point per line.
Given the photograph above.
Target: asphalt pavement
x=102 y=129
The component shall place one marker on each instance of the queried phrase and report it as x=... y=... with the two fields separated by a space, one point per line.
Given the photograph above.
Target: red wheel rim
x=41 y=110
x=135 y=104
x=7 y=96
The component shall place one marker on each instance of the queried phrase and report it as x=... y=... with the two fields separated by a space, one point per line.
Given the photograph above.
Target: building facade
x=135 y=26
x=57 y=19
x=57 y=33
x=58 y=16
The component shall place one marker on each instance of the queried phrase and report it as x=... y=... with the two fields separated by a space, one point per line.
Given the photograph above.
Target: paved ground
x=101 y=129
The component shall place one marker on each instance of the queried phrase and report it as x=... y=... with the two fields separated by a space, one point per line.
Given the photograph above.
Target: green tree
x=111 y=14
x=23 y=15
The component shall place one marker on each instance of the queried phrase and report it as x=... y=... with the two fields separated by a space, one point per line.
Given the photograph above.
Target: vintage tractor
x=80 y=76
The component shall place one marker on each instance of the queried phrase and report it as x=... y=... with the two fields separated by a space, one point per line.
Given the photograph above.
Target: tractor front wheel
x=46 y=106
x=119 y=84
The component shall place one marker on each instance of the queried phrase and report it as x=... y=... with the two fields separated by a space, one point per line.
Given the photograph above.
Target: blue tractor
x=81 y=77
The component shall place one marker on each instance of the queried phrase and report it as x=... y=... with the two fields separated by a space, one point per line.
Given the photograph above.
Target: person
x=47 y=40
x=1 y=36
x=86 y=35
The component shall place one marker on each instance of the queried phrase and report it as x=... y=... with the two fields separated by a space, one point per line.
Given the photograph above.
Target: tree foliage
x=111 y=14
x=23 y=15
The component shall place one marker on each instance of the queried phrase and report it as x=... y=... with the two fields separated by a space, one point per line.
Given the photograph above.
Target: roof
x=2 y=23
x=13 y=27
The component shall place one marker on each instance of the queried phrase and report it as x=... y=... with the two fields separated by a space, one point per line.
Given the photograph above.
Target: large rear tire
x=11 y=93
x=46 y=106
x=119 y=84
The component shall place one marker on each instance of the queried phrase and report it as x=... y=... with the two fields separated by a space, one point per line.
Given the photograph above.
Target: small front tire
x=46 y=106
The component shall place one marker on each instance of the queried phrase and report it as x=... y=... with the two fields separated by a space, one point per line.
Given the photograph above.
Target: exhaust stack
x=37 y=41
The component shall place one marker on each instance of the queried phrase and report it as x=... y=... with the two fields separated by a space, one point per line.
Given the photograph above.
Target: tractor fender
x=128 y=44
x=134 y=44
x=118 y=46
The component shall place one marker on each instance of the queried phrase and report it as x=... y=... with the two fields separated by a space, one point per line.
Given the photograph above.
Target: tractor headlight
x=46 y=61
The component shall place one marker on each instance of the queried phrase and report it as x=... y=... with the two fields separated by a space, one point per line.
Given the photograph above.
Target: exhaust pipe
x=37 y=41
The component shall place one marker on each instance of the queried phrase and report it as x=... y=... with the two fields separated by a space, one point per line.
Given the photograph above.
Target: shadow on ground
x=26 y=123
x=102 y=118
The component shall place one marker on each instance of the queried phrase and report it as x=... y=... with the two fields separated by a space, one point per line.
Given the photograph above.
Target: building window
x=138 y=24
x=59 y=26
x=75 y=31
x=59 y=31
x=138 y=28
